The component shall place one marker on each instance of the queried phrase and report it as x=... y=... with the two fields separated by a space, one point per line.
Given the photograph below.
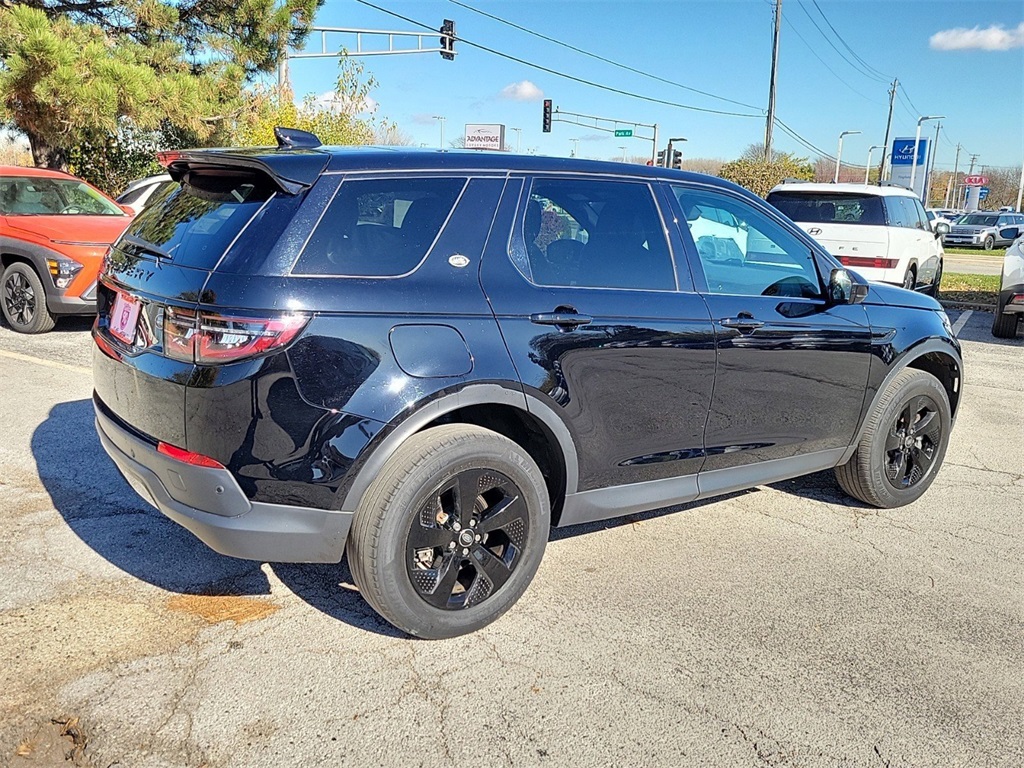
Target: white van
x=881 y=232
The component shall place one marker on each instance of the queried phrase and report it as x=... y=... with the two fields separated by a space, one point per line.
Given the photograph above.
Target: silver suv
x=981 y=230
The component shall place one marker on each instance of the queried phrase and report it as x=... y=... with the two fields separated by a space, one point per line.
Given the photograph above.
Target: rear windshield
x=830 y=208
x=194 y=223
x=379 y=227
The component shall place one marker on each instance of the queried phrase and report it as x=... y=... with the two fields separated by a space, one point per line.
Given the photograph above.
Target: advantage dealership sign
x=485 y=136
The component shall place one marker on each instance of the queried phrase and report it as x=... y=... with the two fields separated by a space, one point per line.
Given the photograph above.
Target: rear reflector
x=208 y=338
x=188 y=457
x=867 y=261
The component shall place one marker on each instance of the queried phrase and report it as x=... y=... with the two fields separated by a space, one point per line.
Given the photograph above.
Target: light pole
x=867 y=171
x=519 y=139
x=575 y=147
x=917 y=139
x=623 y=153
x=441 y=119
x=668 y=152
x=839 y=154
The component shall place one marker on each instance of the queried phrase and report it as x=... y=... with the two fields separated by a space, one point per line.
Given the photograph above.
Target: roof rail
x=793 y=180
x=892 y=184
x=293 y=138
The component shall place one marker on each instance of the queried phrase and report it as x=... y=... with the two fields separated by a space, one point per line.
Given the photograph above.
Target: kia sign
x=489 y=136
x=902 y=162
x=976 y=181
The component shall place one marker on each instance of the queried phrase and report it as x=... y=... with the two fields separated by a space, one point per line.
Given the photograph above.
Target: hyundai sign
x=489 y=136
x=902 y=163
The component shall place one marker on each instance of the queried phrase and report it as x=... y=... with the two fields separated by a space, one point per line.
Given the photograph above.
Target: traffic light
x=547 y=115
x=661 y=159
x=677 y=159
x=448 y=40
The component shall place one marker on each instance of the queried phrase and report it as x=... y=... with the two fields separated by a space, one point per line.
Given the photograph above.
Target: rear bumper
x=1004 y=300
x=210 y=504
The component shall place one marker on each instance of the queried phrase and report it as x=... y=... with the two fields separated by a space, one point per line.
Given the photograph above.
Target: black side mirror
x=844 y=289
x=1009 y=233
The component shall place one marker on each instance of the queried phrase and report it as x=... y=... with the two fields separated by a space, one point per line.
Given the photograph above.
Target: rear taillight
x=209 y=338
x=1017 y=298
x=188 y=457
x=867 y=261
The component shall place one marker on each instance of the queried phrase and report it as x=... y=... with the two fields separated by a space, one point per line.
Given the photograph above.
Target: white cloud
x=423 y=118
x=524 y=90
x=994 y=38
x=594 y=137
x=332 y=101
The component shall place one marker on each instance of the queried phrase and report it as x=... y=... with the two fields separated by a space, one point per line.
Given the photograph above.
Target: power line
x=563 y=75
x=847 y=45
x=811 y=49
x=842 y=55
x=598 y=57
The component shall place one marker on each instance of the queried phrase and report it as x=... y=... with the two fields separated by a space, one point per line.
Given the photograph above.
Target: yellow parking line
x=46 y=363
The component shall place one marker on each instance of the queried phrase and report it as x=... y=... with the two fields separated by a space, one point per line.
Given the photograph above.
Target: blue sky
x=972 y=72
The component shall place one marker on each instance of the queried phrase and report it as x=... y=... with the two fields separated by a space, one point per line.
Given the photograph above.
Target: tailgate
x=849 y=239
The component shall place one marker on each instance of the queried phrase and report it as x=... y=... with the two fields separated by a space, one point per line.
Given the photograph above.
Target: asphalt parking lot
x=784 y=626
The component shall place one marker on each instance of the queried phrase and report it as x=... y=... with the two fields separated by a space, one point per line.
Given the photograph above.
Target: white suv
x=881 y=232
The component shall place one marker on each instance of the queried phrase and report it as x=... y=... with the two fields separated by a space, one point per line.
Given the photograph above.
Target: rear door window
x=379 y=227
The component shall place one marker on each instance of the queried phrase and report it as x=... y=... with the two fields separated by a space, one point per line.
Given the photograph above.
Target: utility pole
x=929 y=166
x=956 y=167
x=888 y=128
x=1020 y=188
x=771 y=88
x=974 y=159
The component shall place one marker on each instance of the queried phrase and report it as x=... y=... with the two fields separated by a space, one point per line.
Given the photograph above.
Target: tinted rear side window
x=196 y=222
x=379 y=227
x=829 y=208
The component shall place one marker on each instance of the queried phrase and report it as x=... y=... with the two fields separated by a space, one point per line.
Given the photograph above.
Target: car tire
x=23 y=300
x=989 y=244
x=1004 y=326
x=903 y=444
x=933 y=289
x=429 y=563
x=910 y=278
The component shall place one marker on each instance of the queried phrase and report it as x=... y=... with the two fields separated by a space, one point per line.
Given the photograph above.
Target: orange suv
x=54 y=231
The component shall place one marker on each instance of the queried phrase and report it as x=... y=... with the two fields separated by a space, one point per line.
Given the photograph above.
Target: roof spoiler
x=291 y=172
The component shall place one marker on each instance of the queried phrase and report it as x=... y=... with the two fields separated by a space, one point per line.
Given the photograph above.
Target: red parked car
x=54 y=232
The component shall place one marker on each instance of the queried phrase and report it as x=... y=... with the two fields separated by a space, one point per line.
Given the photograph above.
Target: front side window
x=40 y=196
x=753 y=255
x=979 y=220
x=379 y=227
x=596 y=234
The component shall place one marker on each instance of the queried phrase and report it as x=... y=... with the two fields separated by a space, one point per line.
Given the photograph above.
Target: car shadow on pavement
x=100 y=507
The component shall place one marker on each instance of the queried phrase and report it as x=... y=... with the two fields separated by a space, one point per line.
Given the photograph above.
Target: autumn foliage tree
x=753 y=172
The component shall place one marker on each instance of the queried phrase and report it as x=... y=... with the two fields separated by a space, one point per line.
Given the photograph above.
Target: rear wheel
x=910 y=279
x=990 y=243
x=23 y=300
x=1004 y=326
x=903 y=444
x=451 y=532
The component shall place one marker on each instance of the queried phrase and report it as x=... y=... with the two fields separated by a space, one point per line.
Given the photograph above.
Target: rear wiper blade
x=145 y=247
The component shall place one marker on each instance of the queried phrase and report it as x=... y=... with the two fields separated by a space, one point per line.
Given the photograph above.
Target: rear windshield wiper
x=145 y=247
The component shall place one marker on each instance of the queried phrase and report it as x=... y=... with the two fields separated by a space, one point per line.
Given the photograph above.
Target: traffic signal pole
x=620 y=128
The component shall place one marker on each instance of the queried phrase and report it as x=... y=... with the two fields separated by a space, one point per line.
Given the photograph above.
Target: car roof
x=845 y=188
x=24 y=170
x=305 y=164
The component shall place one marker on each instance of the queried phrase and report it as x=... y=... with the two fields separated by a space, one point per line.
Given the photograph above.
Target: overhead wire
x=823 y=63
x=842 y=55
x=556 y=73
x=846 y=45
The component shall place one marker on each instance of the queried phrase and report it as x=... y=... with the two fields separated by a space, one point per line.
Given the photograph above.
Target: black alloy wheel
x=451 y=531
x=23 y=300
x=912 y=443
x=467 y=540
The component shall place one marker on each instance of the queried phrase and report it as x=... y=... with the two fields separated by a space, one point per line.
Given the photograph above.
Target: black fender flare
x=472 y=394
x=928 y=346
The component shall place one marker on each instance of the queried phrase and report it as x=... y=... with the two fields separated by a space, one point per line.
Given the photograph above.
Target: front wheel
x=903 y=444
x=451 y=532
x=990 y=243
x=23 y=300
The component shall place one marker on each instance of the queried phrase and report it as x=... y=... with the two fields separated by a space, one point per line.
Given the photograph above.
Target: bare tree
x=389 y=134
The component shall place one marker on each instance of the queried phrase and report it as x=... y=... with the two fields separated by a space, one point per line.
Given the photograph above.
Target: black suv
x=426 y=359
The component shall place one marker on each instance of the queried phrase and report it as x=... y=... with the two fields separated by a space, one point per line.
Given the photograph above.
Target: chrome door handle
x=566 y=320
x=742 y=323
